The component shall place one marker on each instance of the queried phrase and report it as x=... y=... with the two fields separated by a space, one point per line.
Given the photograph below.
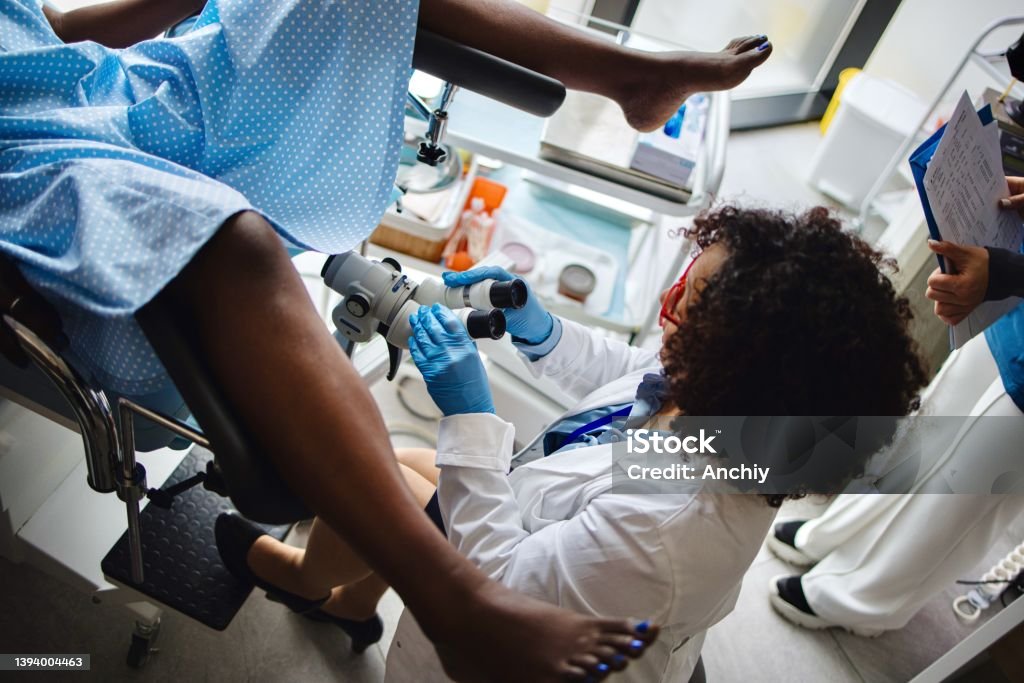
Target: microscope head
x=377 y=298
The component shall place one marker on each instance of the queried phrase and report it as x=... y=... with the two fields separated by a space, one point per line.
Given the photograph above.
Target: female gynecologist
x=551 y=529
x=555 y=528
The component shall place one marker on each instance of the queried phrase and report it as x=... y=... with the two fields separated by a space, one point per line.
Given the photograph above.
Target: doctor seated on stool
x=779 y=315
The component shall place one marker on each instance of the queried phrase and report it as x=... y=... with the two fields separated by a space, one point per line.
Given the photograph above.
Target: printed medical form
x=965 y=182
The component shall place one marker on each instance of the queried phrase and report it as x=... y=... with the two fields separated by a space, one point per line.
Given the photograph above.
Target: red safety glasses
x=668 y=305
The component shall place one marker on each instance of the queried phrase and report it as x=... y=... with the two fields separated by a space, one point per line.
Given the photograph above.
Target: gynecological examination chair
x=168 y=556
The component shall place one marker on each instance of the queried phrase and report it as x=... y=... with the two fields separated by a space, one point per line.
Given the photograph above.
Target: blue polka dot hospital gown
x=116 y=166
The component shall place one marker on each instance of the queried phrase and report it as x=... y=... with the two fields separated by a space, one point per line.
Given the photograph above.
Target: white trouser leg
x=883 y=556
x=886 y=574
x=955 y=390
x=917 y=544
x=848 y=516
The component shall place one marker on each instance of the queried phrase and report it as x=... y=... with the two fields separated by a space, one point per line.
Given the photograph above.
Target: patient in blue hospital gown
x=178 y=168
x=116 y=166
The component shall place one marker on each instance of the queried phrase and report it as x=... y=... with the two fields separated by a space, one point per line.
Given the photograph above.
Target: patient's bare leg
x=327 y=561
x=303 y=400
x=648 y=86
x=419 y=461
x=357 y=601
x=328 y=564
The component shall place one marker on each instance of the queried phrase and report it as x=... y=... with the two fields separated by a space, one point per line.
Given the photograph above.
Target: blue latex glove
x=531 y=323
x=448 y=359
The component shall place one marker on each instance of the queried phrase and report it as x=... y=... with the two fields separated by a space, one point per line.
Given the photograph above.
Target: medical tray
x=410 y=234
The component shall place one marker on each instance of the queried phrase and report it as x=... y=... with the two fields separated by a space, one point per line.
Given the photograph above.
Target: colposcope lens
x=327 y=264
x=511 y=294
x=486 y=324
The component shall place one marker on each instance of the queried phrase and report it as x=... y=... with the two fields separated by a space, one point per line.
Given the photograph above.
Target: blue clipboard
x=919 y=164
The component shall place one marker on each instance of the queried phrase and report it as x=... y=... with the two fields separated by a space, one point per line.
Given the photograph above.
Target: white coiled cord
x=970 y=606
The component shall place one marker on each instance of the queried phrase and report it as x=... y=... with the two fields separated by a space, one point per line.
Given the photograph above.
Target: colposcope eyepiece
x=485 y=324
x=481 y=295
x=511 y=294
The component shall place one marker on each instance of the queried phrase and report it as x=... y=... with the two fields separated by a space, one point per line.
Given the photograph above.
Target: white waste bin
x=873 y=118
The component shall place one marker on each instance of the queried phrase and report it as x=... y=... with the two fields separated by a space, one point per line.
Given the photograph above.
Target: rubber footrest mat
x=182 y=567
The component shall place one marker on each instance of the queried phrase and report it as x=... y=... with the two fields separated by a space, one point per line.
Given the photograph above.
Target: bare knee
x=245 y=249
x=250 y=241
x=410 y=457
x=402 y=456
x=419 y=460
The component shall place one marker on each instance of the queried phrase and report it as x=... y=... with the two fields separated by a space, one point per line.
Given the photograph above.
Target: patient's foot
x=355 y=614
x=350 y=602
x=277 y=564
x=654 y=92
x=500 y=635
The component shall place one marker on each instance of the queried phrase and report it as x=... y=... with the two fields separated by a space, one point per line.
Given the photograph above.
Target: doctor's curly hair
x=800 y=320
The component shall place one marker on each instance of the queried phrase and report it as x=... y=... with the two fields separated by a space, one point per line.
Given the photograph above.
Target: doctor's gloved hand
x=530 y=323
x=448 y=359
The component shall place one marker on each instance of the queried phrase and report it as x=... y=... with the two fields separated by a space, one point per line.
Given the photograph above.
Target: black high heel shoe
x=363 y=633
x=235 y=535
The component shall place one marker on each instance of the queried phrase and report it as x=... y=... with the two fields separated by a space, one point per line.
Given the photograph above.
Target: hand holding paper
x=965 y=182
x=960 y=179
x=961 y=289
x=1016 y=198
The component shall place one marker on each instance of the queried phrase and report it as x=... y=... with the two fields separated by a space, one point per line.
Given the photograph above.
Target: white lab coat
x=553 y=530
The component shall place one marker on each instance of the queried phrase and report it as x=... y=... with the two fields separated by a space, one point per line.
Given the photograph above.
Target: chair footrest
x=183 y=569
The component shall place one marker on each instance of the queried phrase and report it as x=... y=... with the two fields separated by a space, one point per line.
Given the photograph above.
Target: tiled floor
x=754 y=643
x=770 y=168
x=266 y=643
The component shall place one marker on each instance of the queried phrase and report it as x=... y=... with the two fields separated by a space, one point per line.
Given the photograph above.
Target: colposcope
x=377 y=298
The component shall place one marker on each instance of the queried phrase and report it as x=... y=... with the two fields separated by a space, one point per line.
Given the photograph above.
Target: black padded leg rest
x=252 y=481
x=182 y=567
